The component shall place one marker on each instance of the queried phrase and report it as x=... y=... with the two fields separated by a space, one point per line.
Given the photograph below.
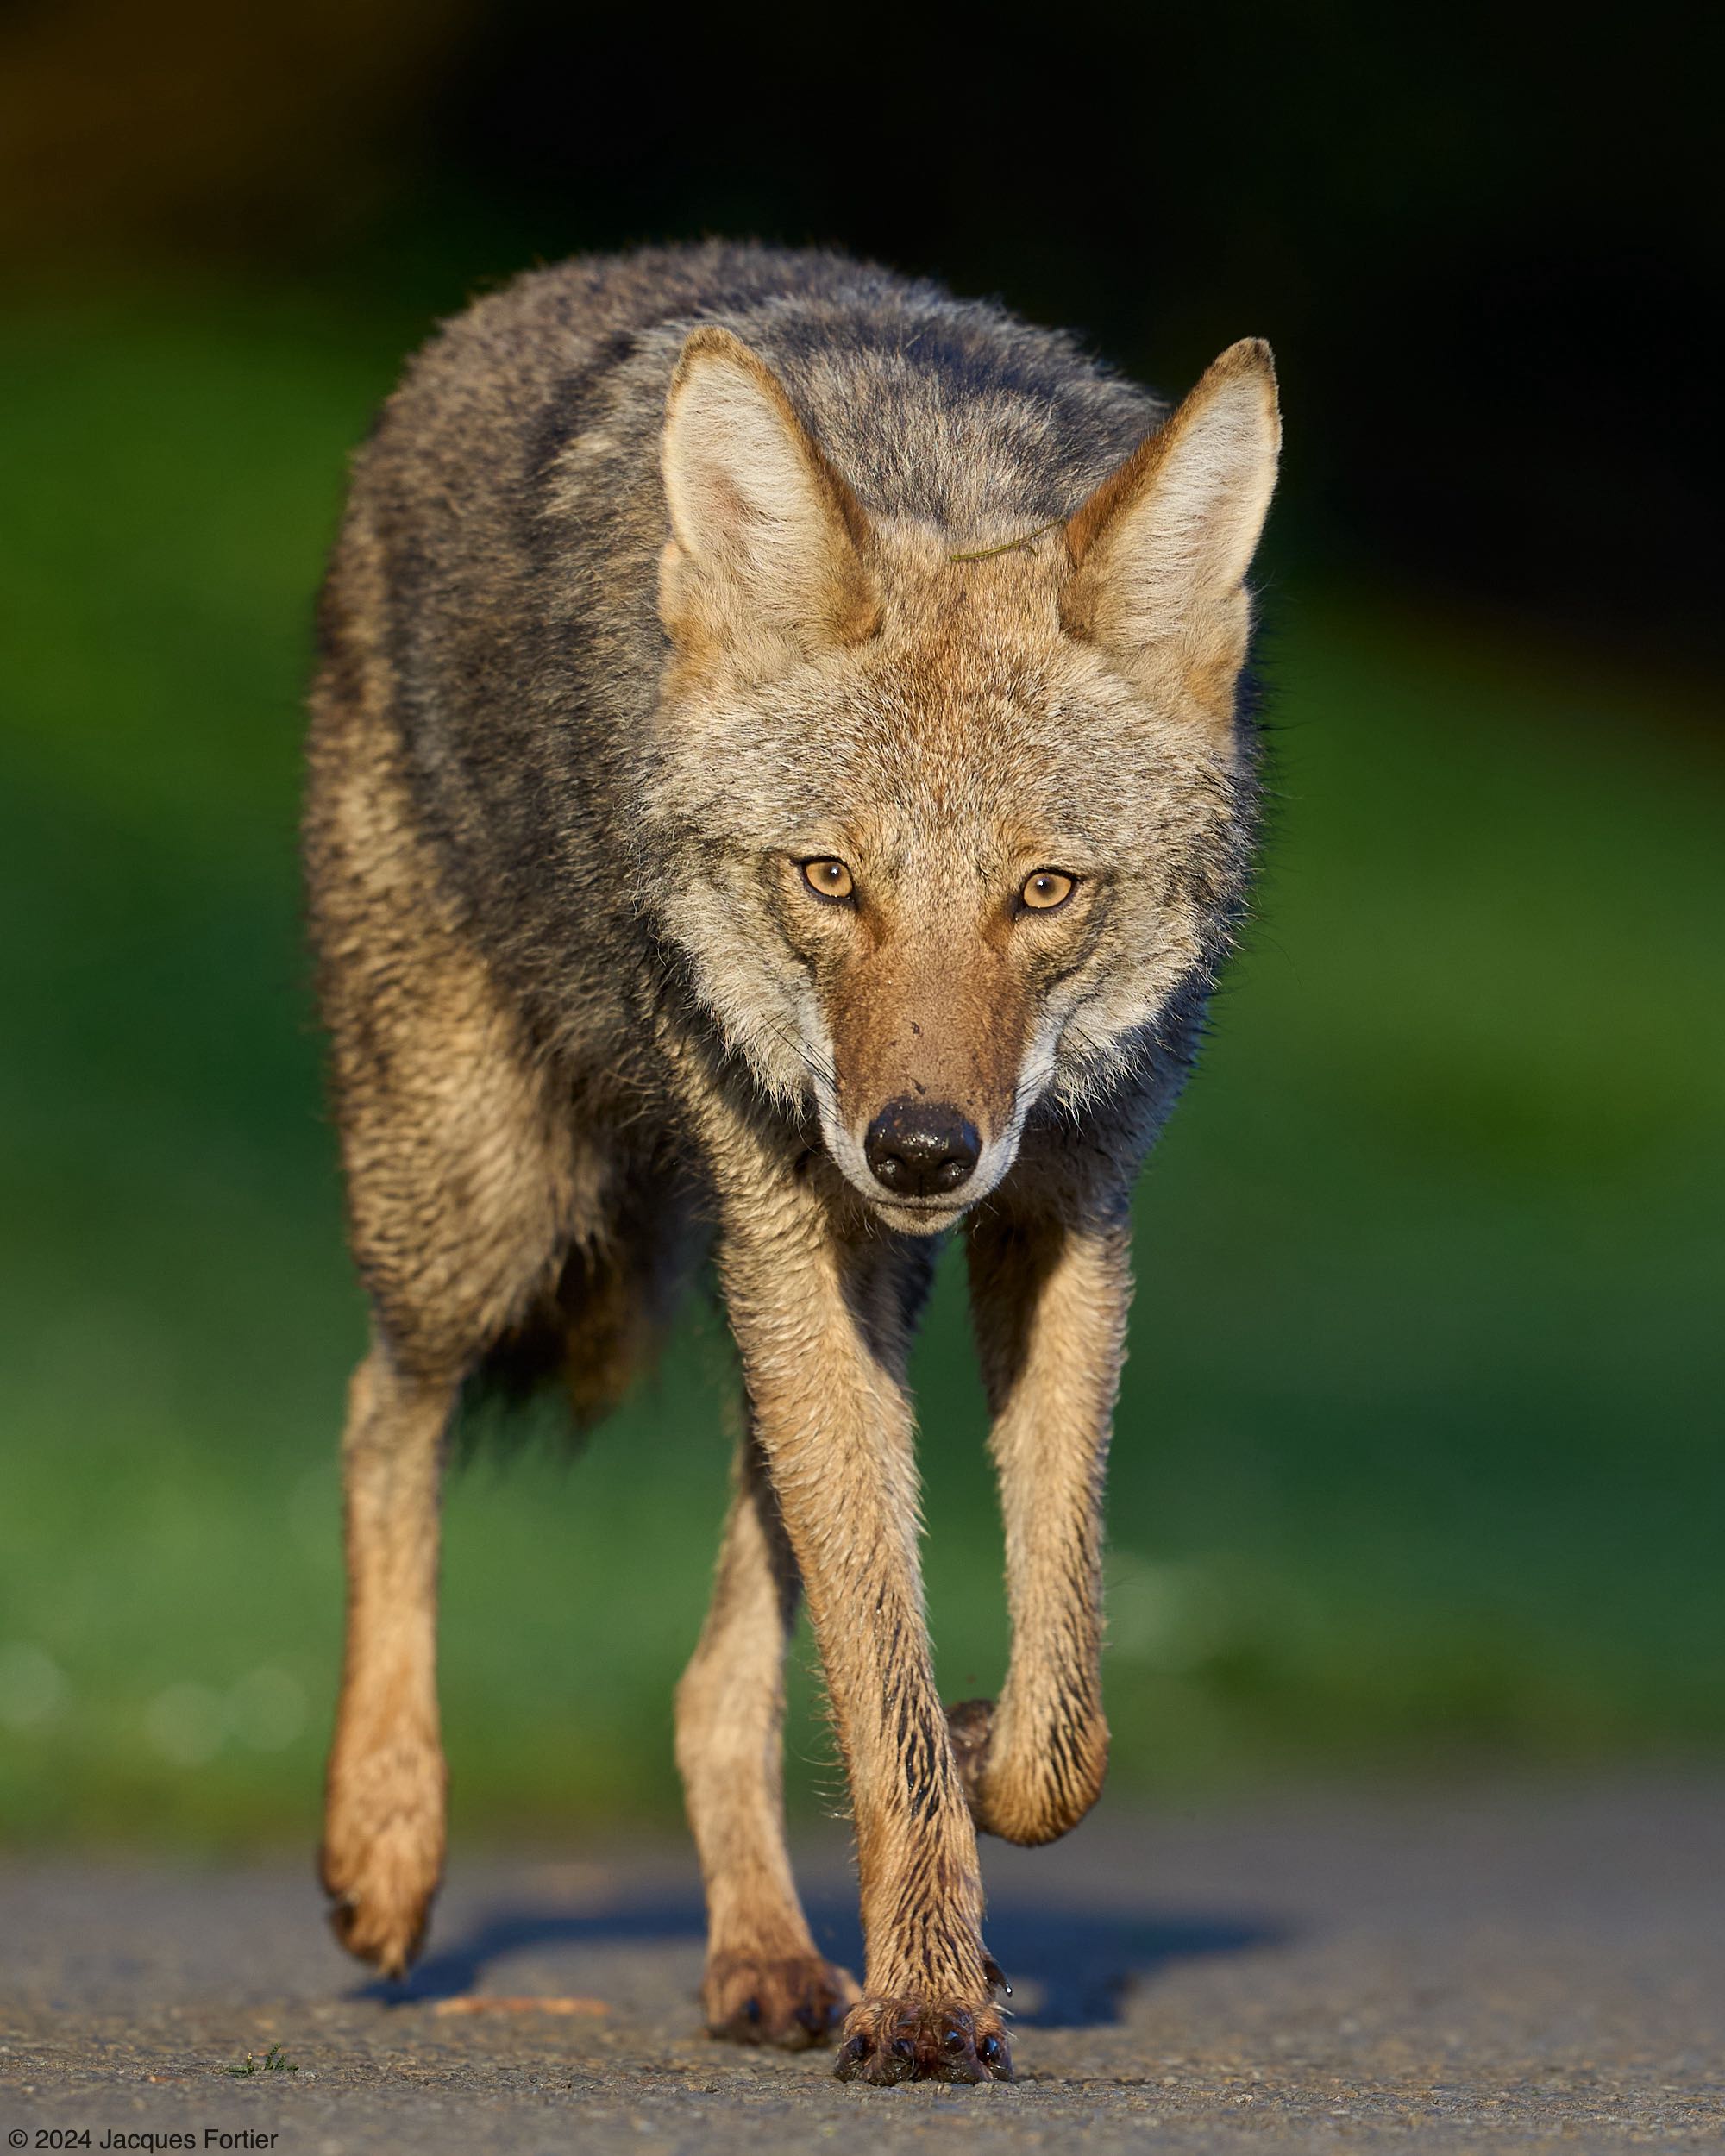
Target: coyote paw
x=383 y=1855
x=971 y=1724
x=794 y=2002
x=886 y=2041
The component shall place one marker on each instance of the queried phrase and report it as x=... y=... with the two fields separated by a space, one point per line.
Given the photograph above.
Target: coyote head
x=952 y=826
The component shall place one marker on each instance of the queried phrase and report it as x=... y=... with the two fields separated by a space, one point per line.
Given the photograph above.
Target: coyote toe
x=385 y=1933
x=886 y=2041
x=794 y=2002
x=381 y=1861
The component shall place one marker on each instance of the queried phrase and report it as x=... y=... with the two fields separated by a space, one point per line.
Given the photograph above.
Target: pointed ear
x=767 y=539
x=1160 y=548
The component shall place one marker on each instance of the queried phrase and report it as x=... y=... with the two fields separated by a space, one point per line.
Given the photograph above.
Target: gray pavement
x=1525 y=1968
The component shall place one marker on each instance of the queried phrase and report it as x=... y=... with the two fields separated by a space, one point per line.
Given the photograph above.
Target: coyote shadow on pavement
x=1070 y=1966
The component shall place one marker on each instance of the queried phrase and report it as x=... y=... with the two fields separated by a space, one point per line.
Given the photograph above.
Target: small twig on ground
x=471 y=2005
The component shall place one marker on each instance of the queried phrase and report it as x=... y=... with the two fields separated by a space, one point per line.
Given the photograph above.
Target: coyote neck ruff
x=779 y=783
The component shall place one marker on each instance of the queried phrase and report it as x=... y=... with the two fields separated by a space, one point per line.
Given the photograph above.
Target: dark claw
x=897 y=2063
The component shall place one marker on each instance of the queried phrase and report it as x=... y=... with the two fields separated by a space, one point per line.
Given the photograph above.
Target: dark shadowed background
x=1418 y=1461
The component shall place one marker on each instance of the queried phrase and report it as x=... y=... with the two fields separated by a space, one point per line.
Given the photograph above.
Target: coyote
x=779 y=786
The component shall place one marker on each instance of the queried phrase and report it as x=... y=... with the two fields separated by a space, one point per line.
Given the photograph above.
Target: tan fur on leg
x=383 y=1844
x=766 y=1981
x=1050 y=1306
x=821 y=1321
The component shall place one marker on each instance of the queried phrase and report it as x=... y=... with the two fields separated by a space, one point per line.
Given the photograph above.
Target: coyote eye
x=1045 y=890
x=828 y=879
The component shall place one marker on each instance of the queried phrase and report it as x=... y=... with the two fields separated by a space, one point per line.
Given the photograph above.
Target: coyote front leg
x=767 y=1983
x=819 y=1322
x=1051 y=1301
x=383 y=1841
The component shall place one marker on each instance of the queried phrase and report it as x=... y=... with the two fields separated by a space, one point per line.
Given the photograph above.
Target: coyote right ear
x=766 y=537
x=1159 y=550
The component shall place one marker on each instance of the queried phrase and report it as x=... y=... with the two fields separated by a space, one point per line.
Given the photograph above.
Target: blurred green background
x=1417 y=1463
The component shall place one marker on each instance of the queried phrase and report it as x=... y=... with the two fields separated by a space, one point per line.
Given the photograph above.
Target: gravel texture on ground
x=1525 y=1968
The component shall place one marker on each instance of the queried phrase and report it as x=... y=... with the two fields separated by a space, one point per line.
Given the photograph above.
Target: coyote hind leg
x=383 y=1846
x=766 y=1981
x=465 y=1191
x=449 y=1255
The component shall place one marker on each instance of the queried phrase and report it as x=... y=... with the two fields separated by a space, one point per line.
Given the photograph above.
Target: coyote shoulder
x=779 y=783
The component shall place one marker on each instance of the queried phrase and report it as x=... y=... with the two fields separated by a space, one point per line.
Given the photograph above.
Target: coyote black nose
x=920 y=1149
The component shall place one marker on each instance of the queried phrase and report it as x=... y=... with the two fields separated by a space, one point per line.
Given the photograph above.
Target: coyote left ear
x=767 y=539
x=1159 y=550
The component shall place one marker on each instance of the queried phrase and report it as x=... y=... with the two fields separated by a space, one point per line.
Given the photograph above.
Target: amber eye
x=828 y=879
x=1045 y=890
